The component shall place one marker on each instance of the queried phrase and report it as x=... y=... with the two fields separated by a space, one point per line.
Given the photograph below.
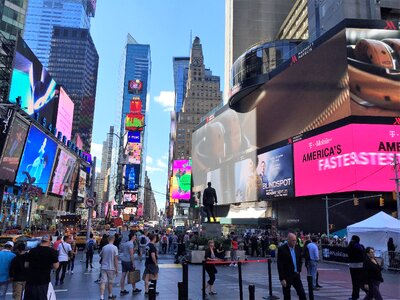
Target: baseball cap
x=9 y=243
x=46 y=238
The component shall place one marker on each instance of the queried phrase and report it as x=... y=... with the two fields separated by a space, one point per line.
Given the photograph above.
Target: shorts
x=36 y=291
x=107 y=276
x=127 y=266
x=152 y=270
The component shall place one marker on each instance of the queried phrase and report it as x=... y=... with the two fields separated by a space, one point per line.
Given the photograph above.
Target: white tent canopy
x=376 y=230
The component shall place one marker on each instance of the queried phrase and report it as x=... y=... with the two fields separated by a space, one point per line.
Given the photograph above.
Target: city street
x=334 y=278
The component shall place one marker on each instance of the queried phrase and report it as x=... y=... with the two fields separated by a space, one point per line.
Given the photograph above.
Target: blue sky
x=165 y=26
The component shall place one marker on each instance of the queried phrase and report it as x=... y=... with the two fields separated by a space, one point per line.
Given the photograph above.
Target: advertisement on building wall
x=62 y=173
x=135 y=86
x=356 y=157
x=275 y=169
x=32 y=85
x=13 y=150
x=133 y=152
x=132 y=173
x=134 y=122
x=37 y=159
x=181 y=180
x=65 y=114
x=134 y=137
x=135 y=106
x=82 y=184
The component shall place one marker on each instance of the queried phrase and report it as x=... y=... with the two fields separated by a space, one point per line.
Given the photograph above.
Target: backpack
x=165 y=239
x=143 y=240
x=90 y=246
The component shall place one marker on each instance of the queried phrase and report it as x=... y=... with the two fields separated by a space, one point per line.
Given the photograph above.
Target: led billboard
x=134 y=122
x=82 y=183
x=135 y=86
x=133 y=152
x=13 y=150
x=131 y=197
x=275 y=169
x=135 y=106
x=32 y=84
x=181 y=180
x=247 y=181
x=63 y=172
x=356 y=157
x=37 y=159
x=65 y=114
x=134 y=137
x=132 y=173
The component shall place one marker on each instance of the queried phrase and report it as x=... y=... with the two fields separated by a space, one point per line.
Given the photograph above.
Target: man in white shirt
x=109 y=267
x=64 y=251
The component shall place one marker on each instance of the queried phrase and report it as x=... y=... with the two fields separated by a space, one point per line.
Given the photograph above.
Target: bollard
x=310 y=288
x=181 y=294
x=252 y=292
x=270 y=296
x=204 y=281
x=152 y=291
x=185 y=280
x=240 y=280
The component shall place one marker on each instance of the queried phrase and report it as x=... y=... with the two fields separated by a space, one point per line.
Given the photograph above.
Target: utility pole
x=91 y=192
x=327 y=215
x=396 y=179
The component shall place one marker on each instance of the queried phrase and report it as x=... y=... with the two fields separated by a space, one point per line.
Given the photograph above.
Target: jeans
x=63 y=266
x=356 y=278
x=312 y=271
x=89 y=259
x=71 y=264
x=373 y=292
x=3 y=290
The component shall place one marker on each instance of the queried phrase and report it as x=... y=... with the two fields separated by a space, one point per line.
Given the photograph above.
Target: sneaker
x=72 y=272
x=212 y=293
x=124 y=292
x=112 y=297
x=231 y=265
x=135 y=291
x=97 y=281
x=235 y=265
x=319 y=286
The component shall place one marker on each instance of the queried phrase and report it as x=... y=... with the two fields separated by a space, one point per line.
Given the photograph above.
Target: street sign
x=90 y=202
x=129 y=204
x=119 y=206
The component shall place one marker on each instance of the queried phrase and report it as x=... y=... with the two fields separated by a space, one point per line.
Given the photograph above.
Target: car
x=80 y=239
x=13 y=238
x=33 y=243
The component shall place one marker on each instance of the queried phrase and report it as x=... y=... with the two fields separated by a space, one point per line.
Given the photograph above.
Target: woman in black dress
x=210 y=268
x=373 y=275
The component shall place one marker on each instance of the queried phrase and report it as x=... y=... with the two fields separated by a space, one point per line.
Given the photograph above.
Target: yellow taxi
x=80 y=239
x=13 y=238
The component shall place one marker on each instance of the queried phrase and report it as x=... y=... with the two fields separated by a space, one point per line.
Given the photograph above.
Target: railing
x=391 y=260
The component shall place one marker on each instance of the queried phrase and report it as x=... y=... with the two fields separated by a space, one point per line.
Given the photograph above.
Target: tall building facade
x=13 y=17
x=248 y=22
x=106 y=158
x=150 y=211
x=43 y=15
x=295 y=26
x=181 y=68
x=74 y=63
x=203 y=94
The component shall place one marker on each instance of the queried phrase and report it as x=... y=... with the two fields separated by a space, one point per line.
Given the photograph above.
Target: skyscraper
x=43 y=15
x=248 y=22
x=203 y=94
x=13 y=14
x=181 y=67
x=74 y=63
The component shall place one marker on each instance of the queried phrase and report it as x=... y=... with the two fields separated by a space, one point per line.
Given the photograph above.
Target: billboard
x=132 y=173
x=134 y=137
x=181 y=180
x=6 y=117
x=247 y=181
x=133 y=152
x=82 y=183
x=135 y=86
x=37 y=159
x=65 y=114
x=13 y=150
x=355 y=157
x=63 y=172
x=135 y=106
x=32 y=84
x=275 y=169
x=131 y=197
x=134 y=122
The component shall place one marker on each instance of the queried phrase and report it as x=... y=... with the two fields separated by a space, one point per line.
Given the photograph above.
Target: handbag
x=134 y=276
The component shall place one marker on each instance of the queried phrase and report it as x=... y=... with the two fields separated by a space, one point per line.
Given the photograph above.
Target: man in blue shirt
x=314 y=258
x=6 y=256
x=289 y=268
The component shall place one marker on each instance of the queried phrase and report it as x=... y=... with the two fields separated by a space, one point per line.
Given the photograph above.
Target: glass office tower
x=181 y=67
x=43 y=15
x=12 y=13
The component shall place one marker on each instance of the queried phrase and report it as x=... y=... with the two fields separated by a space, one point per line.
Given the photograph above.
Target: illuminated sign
x=181 y=180
x=133 y=152
x=134 y=122
x=65 y=114
x=134 y=137
x=135 y=86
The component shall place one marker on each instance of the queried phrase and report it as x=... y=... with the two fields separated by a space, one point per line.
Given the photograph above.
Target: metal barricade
x=391 y=260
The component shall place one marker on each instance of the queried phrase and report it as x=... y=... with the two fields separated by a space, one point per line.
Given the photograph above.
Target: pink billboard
x=65 y=114
x=181 y=180
x=356 y=157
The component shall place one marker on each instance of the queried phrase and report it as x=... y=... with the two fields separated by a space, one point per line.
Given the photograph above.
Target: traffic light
x=356 y=202
x=381 y=201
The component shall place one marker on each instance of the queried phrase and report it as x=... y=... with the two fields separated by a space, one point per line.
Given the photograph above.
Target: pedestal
x=212 y=230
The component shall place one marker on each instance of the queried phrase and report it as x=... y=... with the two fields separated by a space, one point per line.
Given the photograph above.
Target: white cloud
x=161 y=164
x=151 y=169
x=96 y=150
x=149 y=160
x=166 y=99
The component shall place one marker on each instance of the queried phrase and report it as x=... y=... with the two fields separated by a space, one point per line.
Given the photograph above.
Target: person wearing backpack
x=90 y=244
x=143 y=241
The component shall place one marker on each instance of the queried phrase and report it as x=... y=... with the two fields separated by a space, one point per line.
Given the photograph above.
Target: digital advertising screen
x=133 y=152
x=135 y=86
x=247 y=181
x=134 y=122
x=82 y=183
x=32 y=84
x=13 y=150
x=132 y=173
x=130 y=197
x=135 y=106
x=63 y=173
x=65 y=114
x=356 y=157
x=6 y=119
x=134 y=137
x=37 y=159
x=181 y=180
x=275 y=169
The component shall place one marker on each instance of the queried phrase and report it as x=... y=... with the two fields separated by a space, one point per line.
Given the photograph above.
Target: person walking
x=210 y=268
x=39 y=262
x=313 y=261
x=18 y=271
x=109 y=267
x=57 y=242
x=289 y=267
x=151 y=264
x=164 y=243
x=209 y=198
x=6 y=256
x=372 y=275
x=143 y=241
x=356 y=253
x=127 y=257
x=89 y=247
x=64 y=253
x=391 y=248
x=234 y=249
x=71 y=261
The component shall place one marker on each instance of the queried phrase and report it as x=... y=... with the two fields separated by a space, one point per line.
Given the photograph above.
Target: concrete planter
x=197 y=256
